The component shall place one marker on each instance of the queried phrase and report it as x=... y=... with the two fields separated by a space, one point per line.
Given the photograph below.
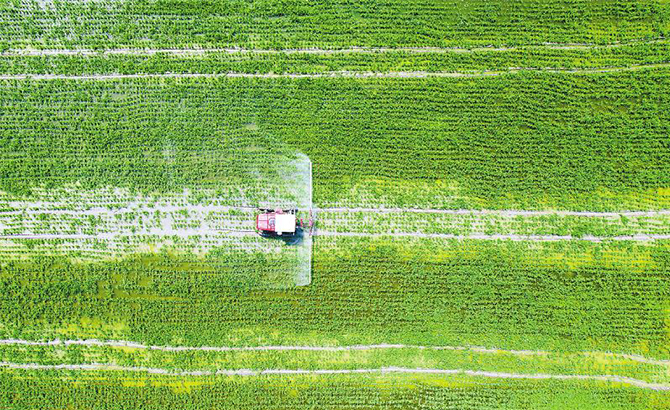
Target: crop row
x=492 y=224
x=550 y=296
x=135 y=222
x=73 y=199
x=339 y=23
x=248 y=262
x=524 y=141
x=386 y=61
x=96 y=247
x=118 y=390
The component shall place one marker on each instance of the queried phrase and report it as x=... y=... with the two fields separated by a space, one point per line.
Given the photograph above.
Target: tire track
x=382 y=346
x=187 y=233
x=225 y=208
x=382 y=371
x=333 y=74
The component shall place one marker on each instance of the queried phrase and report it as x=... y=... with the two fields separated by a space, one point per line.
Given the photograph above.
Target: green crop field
x=488 y=183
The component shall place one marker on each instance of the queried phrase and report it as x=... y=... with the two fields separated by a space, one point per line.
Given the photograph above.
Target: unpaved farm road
x=384 y=370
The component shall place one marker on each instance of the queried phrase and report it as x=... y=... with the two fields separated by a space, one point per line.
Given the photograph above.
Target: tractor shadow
x=291 y=240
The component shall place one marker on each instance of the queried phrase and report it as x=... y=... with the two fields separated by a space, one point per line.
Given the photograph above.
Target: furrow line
x=380 y=346
x=383 y=371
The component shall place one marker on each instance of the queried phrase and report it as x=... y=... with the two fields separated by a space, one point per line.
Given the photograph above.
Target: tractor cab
x=276 y=223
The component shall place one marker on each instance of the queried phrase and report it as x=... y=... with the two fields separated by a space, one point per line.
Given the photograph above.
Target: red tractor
x=280 y=223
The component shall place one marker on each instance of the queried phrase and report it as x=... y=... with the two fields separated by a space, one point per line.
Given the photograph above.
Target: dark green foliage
x=329 y=24
x=592 y=141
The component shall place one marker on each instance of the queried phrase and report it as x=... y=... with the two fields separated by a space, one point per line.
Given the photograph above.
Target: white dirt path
x=384 y=370
x=381 y=346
